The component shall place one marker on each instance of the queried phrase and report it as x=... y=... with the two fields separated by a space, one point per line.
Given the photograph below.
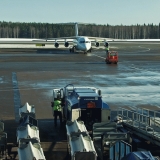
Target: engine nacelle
x=56 y=44
x=97 y=44
x=106 y=44
x=66 y=44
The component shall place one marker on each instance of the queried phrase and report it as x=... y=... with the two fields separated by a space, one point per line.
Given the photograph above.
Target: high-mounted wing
x=66 y=41
x=99 y=42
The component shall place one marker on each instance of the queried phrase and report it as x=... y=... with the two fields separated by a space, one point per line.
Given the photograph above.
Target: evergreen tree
x=47 y=30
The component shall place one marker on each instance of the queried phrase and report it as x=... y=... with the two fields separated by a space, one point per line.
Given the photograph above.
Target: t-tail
x=76 y=29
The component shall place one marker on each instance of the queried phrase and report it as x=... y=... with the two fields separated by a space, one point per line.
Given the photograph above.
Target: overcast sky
x=113 y=12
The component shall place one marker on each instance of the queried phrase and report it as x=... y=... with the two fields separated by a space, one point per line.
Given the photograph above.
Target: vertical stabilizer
x=76 y=29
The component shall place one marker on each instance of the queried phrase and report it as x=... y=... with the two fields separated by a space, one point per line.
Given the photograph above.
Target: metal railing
x=141 y=118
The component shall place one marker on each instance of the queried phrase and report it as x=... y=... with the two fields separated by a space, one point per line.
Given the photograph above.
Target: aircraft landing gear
x=72 y=50
x=90 y=50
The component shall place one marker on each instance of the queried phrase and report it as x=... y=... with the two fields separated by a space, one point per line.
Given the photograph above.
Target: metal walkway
x=143 y=122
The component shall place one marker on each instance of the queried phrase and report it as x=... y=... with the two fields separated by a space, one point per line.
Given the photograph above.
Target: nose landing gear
x=90 y=50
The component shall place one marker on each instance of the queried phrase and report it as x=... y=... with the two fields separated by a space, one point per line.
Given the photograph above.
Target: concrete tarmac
x=30 y=77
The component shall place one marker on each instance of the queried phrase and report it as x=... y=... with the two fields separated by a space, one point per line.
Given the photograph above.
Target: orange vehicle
x=112 y=57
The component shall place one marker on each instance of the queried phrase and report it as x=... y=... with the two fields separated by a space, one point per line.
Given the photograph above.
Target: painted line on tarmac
x=98 y=56
x=17 y=98
x=147 y=49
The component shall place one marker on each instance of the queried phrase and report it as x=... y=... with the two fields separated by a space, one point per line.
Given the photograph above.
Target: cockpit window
x=84 y=41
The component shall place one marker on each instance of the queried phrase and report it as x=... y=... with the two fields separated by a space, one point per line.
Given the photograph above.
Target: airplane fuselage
x=82 y=44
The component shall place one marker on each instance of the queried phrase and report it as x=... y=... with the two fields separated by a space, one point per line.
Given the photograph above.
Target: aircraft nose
x=87 y=47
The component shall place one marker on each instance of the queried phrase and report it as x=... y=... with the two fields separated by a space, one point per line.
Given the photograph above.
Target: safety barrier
x=76 y=127
x=28 y=135
x=28 y=132
x=81 y=147
x=30 y=150
x=27 y=110
x=3 y=139
x=80 y=144
x=27 y=119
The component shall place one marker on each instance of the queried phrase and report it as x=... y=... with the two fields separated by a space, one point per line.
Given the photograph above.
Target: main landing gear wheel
x=73 y=50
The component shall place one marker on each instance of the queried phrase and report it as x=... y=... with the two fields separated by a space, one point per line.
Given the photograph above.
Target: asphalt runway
x=30 y=77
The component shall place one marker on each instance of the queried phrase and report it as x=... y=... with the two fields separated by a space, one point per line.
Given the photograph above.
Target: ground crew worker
x=107 y=49
x=57 y=111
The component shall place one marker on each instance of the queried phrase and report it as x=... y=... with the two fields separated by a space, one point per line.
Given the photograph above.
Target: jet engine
x=97 y=44
x=106 y=44
x=66 y=44
x=56 y=44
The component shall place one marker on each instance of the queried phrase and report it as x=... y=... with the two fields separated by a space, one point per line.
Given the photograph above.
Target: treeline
x=47 y=30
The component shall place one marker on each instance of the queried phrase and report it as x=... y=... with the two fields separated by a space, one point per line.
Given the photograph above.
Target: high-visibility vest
x=57 y=105
x=107 y=48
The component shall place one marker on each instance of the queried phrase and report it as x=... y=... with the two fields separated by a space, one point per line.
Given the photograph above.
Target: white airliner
x=79 y=43
x=74 y=43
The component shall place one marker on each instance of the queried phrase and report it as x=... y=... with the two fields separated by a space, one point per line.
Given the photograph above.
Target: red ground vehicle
x=112 y=57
